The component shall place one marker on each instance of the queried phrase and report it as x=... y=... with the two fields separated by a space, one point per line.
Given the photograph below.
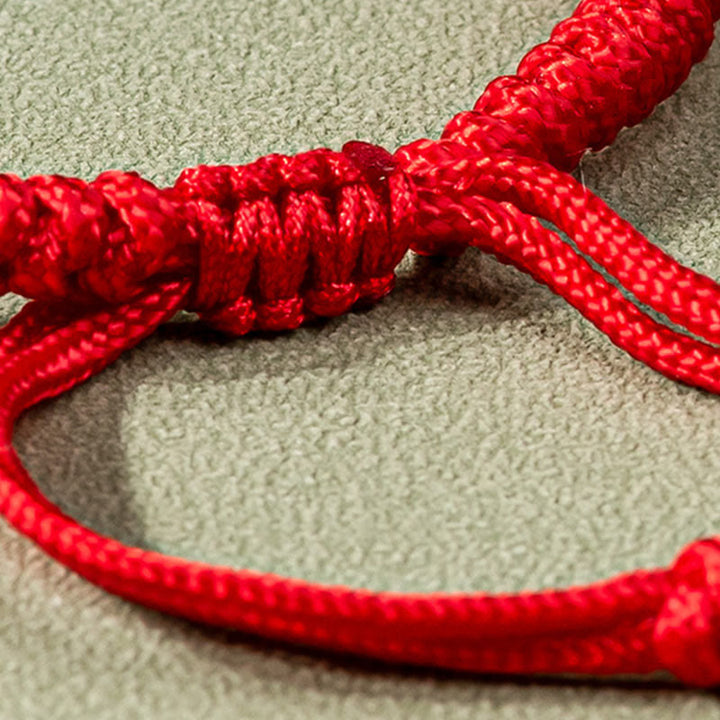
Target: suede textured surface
x=470 y=432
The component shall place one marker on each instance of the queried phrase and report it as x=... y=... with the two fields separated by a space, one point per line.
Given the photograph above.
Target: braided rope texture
x=283 y=240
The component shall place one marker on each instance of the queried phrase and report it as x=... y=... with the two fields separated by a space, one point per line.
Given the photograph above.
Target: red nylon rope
x=285 y=239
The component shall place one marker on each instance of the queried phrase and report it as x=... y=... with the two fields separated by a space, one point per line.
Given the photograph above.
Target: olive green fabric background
x=470 y=432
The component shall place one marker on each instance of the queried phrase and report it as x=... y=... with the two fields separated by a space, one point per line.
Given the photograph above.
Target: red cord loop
x=284 y=239
x=687 y=631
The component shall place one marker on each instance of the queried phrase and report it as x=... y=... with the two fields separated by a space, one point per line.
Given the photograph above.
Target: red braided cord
x=285 y=239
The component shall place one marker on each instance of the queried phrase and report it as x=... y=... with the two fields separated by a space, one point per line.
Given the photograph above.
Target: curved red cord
x=284 y=239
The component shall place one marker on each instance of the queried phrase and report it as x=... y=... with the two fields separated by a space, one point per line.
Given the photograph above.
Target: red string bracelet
x=285 y=239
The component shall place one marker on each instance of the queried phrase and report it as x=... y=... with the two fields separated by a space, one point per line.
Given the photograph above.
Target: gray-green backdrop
x=471 y=432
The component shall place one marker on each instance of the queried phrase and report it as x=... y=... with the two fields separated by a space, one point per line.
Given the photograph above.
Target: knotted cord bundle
x=283 y=240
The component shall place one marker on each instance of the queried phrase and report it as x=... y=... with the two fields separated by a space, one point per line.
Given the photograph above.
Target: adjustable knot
x=287 y=238
x=687 y=630
x=602 y=69
x=268 y=245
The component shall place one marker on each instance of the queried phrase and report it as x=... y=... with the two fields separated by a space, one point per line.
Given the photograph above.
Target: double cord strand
x=283 y=240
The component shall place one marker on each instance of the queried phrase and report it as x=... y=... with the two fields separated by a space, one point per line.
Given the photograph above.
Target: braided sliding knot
x=269 y=244
x=288 y=238
x=604 y=68
x=687 y=631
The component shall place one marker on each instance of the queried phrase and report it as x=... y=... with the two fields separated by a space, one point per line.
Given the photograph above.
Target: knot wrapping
x=285 y=238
